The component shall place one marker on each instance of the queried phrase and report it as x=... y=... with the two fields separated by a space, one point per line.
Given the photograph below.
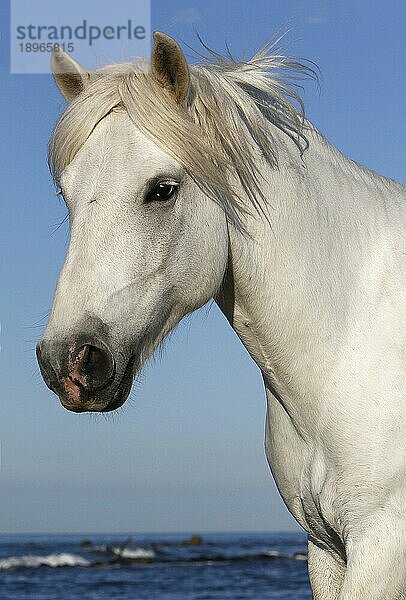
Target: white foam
x=51 y=560
x=124 y=552
x=276 y=554
x=133 y=552
x=300 y=556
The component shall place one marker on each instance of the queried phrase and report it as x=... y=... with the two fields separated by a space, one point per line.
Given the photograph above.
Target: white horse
x=187 y=183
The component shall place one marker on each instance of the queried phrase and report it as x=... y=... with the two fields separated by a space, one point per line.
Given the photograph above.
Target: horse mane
x=220 y=133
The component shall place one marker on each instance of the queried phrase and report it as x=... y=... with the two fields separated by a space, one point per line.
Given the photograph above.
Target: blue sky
x=186 y=452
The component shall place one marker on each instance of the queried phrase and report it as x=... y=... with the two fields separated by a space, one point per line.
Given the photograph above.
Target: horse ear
x=169 y=66
x=70 y=77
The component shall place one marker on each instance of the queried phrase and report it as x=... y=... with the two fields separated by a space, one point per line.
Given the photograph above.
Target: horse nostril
x=91 y=367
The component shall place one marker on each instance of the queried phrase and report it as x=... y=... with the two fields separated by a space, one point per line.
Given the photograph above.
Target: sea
x=219 y=566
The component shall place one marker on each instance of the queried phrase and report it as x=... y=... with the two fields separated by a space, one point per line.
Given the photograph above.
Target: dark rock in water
x=86 y=543
x=195 y=540
x=32 y=545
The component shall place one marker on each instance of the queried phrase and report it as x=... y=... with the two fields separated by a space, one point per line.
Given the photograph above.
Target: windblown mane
x=217 y=136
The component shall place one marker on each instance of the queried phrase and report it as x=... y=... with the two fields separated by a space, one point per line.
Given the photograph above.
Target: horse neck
x=297 y=279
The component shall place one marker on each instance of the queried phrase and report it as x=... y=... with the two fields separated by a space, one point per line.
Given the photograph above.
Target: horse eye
x=162 y=191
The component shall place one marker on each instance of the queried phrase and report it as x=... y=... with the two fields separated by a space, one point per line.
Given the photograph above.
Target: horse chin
x=120 y=395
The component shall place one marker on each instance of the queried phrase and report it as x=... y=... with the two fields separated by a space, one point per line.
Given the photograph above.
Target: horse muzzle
x=84 y=374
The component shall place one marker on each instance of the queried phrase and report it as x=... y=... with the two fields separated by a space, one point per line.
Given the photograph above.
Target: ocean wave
x=127 y=555
x=32 y=561
x=269 y=555
x=276 y=554
x=124 y=552
x=134 y=553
